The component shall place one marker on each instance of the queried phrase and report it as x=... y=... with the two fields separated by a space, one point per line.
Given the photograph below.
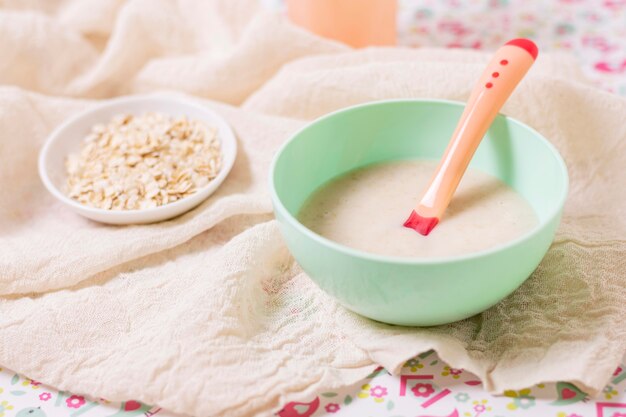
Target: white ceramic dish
x=66 y=139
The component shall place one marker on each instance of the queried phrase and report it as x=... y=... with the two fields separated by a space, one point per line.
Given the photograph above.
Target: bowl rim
x=403 y=260
x=228 y=159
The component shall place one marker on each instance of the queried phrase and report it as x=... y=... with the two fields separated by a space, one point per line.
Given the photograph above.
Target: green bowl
x=415 y=291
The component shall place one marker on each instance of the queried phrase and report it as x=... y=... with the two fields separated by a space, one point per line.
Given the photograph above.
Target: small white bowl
x=66 y=139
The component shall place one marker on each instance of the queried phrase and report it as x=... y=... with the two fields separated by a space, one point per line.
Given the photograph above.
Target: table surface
x=592 y=30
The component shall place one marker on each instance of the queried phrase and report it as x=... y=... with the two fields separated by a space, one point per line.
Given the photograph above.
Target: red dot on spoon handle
x=526 y=44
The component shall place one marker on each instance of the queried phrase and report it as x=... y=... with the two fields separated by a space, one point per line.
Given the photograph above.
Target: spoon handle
x=506 y=69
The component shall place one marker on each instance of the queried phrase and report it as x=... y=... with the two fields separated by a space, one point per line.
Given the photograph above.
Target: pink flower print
x=606 y=67
x=614 y=4
x=33 y=384
x=474 y=45
x=454 y=27
x=378 y=391
x=597 y=42
x=617 y=371
x=75 y=401
x=45 y=396
x=332 y=408
x=422 y=390
x=453 y=372
x=481 y=406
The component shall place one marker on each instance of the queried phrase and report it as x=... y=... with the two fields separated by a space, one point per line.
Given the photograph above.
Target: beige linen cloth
x=208 y=314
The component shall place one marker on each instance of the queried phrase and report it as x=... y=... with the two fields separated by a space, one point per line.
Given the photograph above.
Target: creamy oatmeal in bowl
x=464 y=269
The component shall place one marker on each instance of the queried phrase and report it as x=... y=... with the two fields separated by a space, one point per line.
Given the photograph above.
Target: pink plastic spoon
x=504 y=72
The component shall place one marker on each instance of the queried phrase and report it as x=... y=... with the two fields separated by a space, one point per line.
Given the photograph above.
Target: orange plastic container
x=358 y=23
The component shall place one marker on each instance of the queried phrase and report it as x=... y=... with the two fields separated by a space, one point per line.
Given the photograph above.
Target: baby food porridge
x=365 y=209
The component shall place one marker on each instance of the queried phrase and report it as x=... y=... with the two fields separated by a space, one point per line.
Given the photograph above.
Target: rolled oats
x=138 y=162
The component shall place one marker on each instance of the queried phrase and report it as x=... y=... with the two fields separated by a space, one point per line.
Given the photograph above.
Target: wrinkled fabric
x=208 y=314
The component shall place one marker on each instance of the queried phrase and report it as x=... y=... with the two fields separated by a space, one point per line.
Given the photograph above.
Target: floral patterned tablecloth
x=427 y=387
x=592 y=30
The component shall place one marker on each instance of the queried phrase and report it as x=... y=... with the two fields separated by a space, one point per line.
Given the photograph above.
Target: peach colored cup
x=358 y=23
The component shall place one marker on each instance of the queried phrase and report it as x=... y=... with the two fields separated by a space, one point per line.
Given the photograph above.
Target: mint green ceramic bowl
x=413 y=291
